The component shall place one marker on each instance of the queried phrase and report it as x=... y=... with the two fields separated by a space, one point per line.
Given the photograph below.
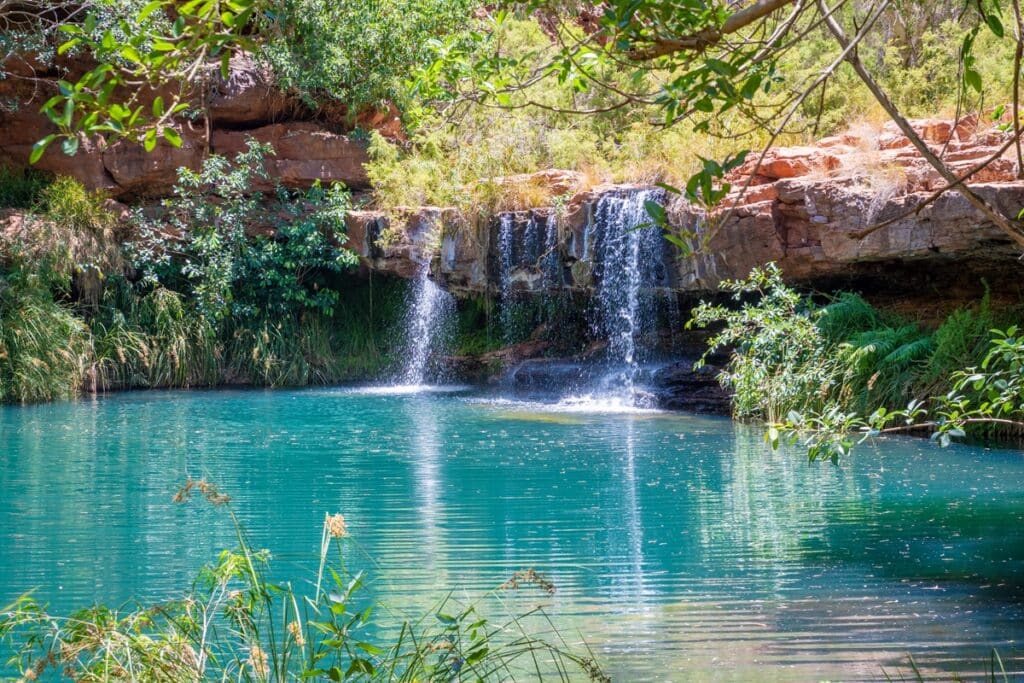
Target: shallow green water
x=681 y=547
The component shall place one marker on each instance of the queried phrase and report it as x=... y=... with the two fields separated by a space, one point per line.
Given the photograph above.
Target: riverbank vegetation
x=205 y=294
x=237 y=623
x=830 y=374
x=216 y=286
x=583 y=114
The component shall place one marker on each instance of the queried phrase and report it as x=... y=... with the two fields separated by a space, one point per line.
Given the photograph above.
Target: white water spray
x=431 y=310
x=627 y=259
x=506 y=262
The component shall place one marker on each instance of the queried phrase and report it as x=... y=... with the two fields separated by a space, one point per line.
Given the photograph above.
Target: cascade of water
x=429 y=316
x=551 y=264
x=627 y=266
x=531 y=249
x=506 y=262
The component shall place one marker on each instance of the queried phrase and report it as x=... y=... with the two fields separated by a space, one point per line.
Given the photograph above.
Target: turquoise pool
x=682 y=548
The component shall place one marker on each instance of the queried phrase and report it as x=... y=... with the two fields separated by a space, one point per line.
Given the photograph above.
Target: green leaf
x=995 y=25
x=131 y=54
x=70 y=145
x=148 y=9
x=68 y=45
x=39 y=148
x=657 y=212
x=973 y=79
x=477 y=655
x=360 y=665
x=371 y=649
x=149 y=141
x=172 y=136
x=158 y=107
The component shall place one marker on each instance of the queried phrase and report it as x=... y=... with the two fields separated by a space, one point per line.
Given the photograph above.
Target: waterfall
x=506 y=262
x=551 y=264
x=427 y=322
x=628 y=265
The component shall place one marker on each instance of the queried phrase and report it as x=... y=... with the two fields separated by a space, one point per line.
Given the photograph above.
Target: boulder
x=679 y=386
x=789 y=162
x=248 y=97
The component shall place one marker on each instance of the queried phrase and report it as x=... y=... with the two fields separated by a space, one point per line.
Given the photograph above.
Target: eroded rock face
x=817 y=224
x=247 y=103
x=303 y=153
x=679 y=386
x=809 y=209
x=248 y=97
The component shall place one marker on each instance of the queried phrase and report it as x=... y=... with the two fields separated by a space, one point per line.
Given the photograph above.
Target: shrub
x=199 y=244
x=780 y=360
x=355 y=52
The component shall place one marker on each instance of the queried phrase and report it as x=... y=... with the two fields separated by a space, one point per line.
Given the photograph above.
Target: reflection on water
x=681 y=547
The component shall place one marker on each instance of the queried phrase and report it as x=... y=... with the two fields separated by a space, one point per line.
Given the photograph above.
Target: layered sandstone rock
x=309 y=144
x=809 y=209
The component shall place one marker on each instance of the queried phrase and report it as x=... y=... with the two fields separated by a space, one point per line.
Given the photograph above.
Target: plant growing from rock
x=201 y=242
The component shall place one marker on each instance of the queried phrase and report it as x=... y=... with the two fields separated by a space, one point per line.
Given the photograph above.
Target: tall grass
x=234 y=624
x=45 y=349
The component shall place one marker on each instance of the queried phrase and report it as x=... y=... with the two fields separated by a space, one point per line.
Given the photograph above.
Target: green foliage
x=21 y=188
x=199 y=244
x=833 y=376
x=358 y=53
x=777 y=363
x=354 y=52
x=845 y=315
x=215 y=304
x=147 y=46
x=68 y=236
x=234 y=624
x=45 y=349
x=960 y=342
x=478 y=329
x=881 y=366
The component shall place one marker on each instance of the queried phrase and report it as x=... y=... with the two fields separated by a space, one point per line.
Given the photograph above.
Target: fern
x=960 y=342
x=883 y=365
x=847 y=315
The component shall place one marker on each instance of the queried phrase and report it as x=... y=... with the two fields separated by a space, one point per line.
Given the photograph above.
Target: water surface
x=681 y=547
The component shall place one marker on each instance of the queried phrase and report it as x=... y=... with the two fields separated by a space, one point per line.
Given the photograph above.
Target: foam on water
x=405 y=389
x=583 y=405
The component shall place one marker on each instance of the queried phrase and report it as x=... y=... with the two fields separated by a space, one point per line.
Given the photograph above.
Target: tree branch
x=710 y=35
x=1011 y=228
